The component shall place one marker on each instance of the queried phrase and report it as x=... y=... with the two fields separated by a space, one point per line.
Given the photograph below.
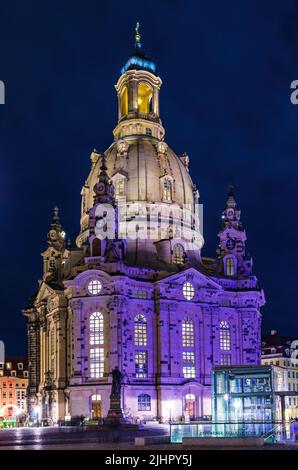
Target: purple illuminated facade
x=143 y=298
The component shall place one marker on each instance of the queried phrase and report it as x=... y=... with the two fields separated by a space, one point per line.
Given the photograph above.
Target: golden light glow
x=144 y=98
x=124 y=102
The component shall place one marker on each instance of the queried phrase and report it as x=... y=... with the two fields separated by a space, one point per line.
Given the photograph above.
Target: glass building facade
x=242 y=394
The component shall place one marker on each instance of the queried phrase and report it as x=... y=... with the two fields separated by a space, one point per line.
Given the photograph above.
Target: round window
x=94 y=287
x=188 y=290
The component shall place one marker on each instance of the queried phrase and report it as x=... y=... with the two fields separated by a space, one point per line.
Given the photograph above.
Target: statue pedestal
x=115 y=414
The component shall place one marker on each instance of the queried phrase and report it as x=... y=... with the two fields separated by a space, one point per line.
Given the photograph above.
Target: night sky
x=226 y=69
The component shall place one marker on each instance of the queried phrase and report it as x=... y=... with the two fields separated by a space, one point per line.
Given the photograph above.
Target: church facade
x=136 y=292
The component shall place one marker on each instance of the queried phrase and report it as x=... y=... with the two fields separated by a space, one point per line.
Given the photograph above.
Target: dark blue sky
x=226 y=69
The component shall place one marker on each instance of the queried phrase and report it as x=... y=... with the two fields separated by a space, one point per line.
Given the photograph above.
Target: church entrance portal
x=96 y=406
x=190 y=406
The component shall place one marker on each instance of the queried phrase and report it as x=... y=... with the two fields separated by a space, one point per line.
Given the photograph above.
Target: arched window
x=167 y=189
x=140 y=331
x=124 y=102
x=178 y=254
x=230 y=266
x=188 y=339
x=96 y=328
x=119 y=185
x=224 y=336
x=144 y=98
x=144 y=402
x=96 y=339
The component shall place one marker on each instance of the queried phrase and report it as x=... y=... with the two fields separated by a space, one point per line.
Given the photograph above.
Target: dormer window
x=167 y=190
x=20 y=366
x=178 y=254
x=230 y=268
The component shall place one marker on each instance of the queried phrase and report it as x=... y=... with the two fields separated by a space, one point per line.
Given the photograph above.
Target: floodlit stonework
x=143 y=299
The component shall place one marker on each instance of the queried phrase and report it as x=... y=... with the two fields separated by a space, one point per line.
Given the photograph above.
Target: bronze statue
x=117 y=379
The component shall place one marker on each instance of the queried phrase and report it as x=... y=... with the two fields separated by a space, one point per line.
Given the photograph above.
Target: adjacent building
x=13 y=388
x=282 y=351
x=142 y=297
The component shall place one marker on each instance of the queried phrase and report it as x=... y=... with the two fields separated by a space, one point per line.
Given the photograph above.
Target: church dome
x=142 y=168
x=145 y=171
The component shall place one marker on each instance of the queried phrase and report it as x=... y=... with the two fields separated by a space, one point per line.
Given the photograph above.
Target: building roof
x=15 y=361
x=138 y=60
x=274 y=343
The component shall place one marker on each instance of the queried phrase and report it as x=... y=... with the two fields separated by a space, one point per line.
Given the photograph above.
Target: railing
x=269 y=430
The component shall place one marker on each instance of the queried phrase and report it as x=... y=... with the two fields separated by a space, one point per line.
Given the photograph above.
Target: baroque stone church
x=135 y=292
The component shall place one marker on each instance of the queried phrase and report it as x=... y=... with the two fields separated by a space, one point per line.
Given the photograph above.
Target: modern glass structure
x=244 y=393
x=243 y=398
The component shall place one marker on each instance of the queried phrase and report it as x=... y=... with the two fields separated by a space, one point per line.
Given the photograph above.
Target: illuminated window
x=124 y=101
x=141 y=364
x=96 y=328
x=144 y=98
x=140 y=294
x=144 y=402
x=225 y=359
x=96 y=362
x=224 y=336
x=94 y=287
x=140 y=332
x=188 y=290
x=119 y=185
x=230 y=266
x=96 y=339
x=178 y=254
x=189 y=370
x=167 y=189
x=188 y=339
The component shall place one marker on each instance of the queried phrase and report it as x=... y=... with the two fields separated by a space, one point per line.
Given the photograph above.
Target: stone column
x=76 y=339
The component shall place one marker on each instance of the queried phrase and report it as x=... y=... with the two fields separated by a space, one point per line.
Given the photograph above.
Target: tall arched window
x=188 y=339
x=96 y=328
x=144 y=402
x=230 y=266
x=124 y=102
x=140 y=331
x=144 y=98
x=224 y=336
x=178 y=254
x=167 y=189
x=96 y=339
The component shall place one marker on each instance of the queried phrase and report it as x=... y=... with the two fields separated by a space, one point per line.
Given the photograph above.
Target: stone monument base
x=115 y=413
